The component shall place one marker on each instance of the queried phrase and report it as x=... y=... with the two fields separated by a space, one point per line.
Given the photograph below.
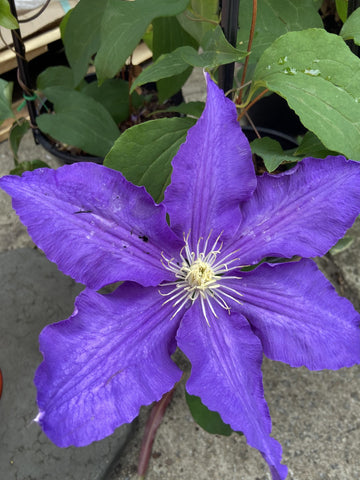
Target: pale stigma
x=202 y=276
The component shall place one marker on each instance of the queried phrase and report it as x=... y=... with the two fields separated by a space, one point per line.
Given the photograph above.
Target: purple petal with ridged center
x=212 y=172
x=301 y=212
x=299 y=317
x=102 y=364
x=95 y=225
x=226 y=374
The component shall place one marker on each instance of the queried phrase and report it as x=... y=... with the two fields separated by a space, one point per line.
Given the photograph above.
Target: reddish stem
x=251 y=37
x=252 y=125
x=252 y=103
x=151 y=427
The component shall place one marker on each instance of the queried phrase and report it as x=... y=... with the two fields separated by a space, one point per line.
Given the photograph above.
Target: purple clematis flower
x=183 y=284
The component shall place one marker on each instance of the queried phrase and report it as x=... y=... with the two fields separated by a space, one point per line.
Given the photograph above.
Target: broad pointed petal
x=302 y=212
x=102 y=364
x=212 y=173
x=226 y=374
x=299 y=317
x=96 y=226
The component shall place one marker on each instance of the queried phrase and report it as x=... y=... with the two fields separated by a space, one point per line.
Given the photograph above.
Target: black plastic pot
x=273 y=112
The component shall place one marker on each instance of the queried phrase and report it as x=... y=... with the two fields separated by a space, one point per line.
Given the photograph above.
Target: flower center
x=202 y=275
x=199 y=274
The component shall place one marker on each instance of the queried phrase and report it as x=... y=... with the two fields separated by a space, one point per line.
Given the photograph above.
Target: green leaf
x=64 y=22
x=167 y=36
x=113 y=94
x=6 y=89
x=199 y=18
x=194 y=109
x=79 y=121
x=220 y=52
x=28 y=166
x=215 y=40
x=310 y=146
x=82 y=35
x=209 y=420
x=341 y=8
x=143 y=153
x=53 y=76
x=318 y=75
x=351 y=28
x=7 y=19
x=271 y=152
x=148 y=37
x=275 y=18
x=342 y=245
x=18 y=130
x=165 y=66
x=122 y=27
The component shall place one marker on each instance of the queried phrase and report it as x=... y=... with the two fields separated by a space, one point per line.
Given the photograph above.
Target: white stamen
x=201 y=275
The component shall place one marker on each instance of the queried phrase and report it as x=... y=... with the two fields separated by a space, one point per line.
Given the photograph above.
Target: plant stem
x=244 y=111
x=152 y=425
x=229 y=24
x=251 y=37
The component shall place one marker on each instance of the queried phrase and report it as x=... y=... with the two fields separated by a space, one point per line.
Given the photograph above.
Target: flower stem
x=252 y=103
x=153 y=423
x=251 y=37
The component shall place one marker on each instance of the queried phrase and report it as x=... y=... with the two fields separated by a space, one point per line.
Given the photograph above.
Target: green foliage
x=275 y=18
x=199 y=18
x=143 y=153
x=122 y=27
x=7 y=20
x=194 y=109
x=351 y=28
x=318 y=76
x=17 y=132
x=207 y=419
x=291 y=55
x=64 y=22
x=310 y=146
x=167 y=36
x=271 y=152
x=217 y=52
x=19 y=128
x=341 y=8
x=82 y=35
x=28 y=166
x=53 y=76
x=79 y=120
x=6 y=89
x=113 y=94
x=342 y=245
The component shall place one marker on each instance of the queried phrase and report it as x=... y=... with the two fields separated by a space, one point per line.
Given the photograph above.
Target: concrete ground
x=316 y=415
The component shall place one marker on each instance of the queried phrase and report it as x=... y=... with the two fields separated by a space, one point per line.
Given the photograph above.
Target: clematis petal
x=102 y=364
x=95 y=225
x=299 y=317
x=212 y=172
x=226 y=374
x=301 y=212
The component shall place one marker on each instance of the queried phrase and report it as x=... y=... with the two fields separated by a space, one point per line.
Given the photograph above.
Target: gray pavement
x=316 y=415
